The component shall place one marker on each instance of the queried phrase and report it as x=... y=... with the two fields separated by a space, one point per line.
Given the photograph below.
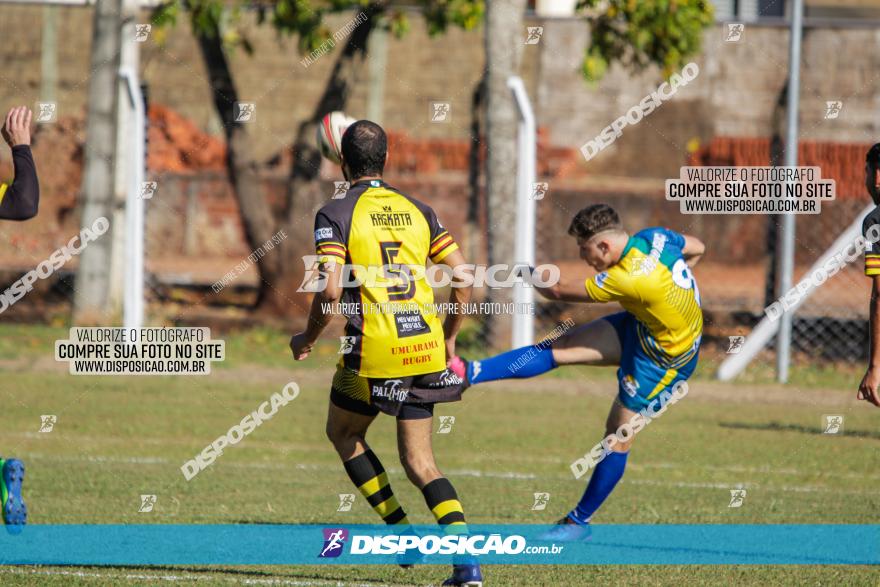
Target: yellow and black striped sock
x=367 y=473
x=443 y=502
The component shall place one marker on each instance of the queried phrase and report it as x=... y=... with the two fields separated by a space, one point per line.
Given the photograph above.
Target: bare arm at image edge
x=871 y=380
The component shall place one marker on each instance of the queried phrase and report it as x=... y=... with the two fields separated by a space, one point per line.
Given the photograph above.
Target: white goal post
x=523 y=331
x=134 y=161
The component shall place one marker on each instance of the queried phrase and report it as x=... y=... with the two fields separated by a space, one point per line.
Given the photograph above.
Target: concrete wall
x=736 y=94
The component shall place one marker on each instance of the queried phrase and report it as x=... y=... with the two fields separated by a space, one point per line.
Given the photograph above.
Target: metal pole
x=125 y=123
x=378 y=62
x=49 y=55
x=133 y=307
x=786 y=251
x=524 y=248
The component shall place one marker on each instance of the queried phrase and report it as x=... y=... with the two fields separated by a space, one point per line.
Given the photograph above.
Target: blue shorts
x=644 y=370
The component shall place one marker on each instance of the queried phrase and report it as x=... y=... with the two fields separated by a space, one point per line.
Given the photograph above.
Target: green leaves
x=397 y=23
x=634 y=33
x=306 y=18
x=594 y=66
x=637 y=34
x=463 y=13
x=164 y=18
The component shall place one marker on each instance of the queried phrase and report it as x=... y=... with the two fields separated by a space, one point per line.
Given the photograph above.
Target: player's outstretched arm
x=871 y=380
x=693 y=250
x=566 y=291
x=320 y=313
x=21 y=200
x=459 y=294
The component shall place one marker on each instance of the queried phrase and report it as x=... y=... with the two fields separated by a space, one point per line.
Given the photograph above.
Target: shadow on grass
x=812 y=430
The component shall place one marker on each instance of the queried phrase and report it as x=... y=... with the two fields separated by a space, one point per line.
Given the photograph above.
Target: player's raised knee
x=618 y=439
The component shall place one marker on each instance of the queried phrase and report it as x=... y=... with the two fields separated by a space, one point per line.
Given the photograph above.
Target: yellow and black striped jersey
x=21 y=199
x=384 y=233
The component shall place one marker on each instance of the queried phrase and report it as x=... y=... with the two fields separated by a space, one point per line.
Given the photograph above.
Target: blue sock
x=602 y=483
x=526 y=361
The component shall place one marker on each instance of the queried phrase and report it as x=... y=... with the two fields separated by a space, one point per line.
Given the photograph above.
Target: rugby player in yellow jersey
x=654 y=342
x=18 y=201
x=396 y=352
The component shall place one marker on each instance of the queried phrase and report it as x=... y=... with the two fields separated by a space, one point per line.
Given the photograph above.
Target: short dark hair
x=364 y=148
x=594 y=219
x=873 y=156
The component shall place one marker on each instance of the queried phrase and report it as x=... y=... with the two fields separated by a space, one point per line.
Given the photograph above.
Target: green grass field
x=119 y=437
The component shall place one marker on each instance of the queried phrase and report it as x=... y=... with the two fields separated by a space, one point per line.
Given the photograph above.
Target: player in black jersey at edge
x=871 y=380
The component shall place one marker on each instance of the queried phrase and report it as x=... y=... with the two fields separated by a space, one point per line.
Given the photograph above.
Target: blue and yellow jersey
x=374 y=226
x=653 y=282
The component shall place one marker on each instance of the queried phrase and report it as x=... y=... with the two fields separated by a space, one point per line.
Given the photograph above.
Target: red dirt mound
x=176 y=144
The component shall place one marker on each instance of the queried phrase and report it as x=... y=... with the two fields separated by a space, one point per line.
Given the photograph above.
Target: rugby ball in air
x=330 y=133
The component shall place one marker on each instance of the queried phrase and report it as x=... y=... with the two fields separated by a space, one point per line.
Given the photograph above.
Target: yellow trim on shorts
x=663 y=383
x=3 y=187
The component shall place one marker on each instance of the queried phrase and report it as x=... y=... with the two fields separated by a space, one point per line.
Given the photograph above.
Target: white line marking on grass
x=394 y=470
x=520 y=475
x=187 y=577
x=127 y=460
x=683 y=484
x=747 y=485
x=491 y=474
x=100 y=459
x=764 y=470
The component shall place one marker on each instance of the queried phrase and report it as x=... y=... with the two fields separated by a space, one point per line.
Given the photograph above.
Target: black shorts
x=408 y=398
